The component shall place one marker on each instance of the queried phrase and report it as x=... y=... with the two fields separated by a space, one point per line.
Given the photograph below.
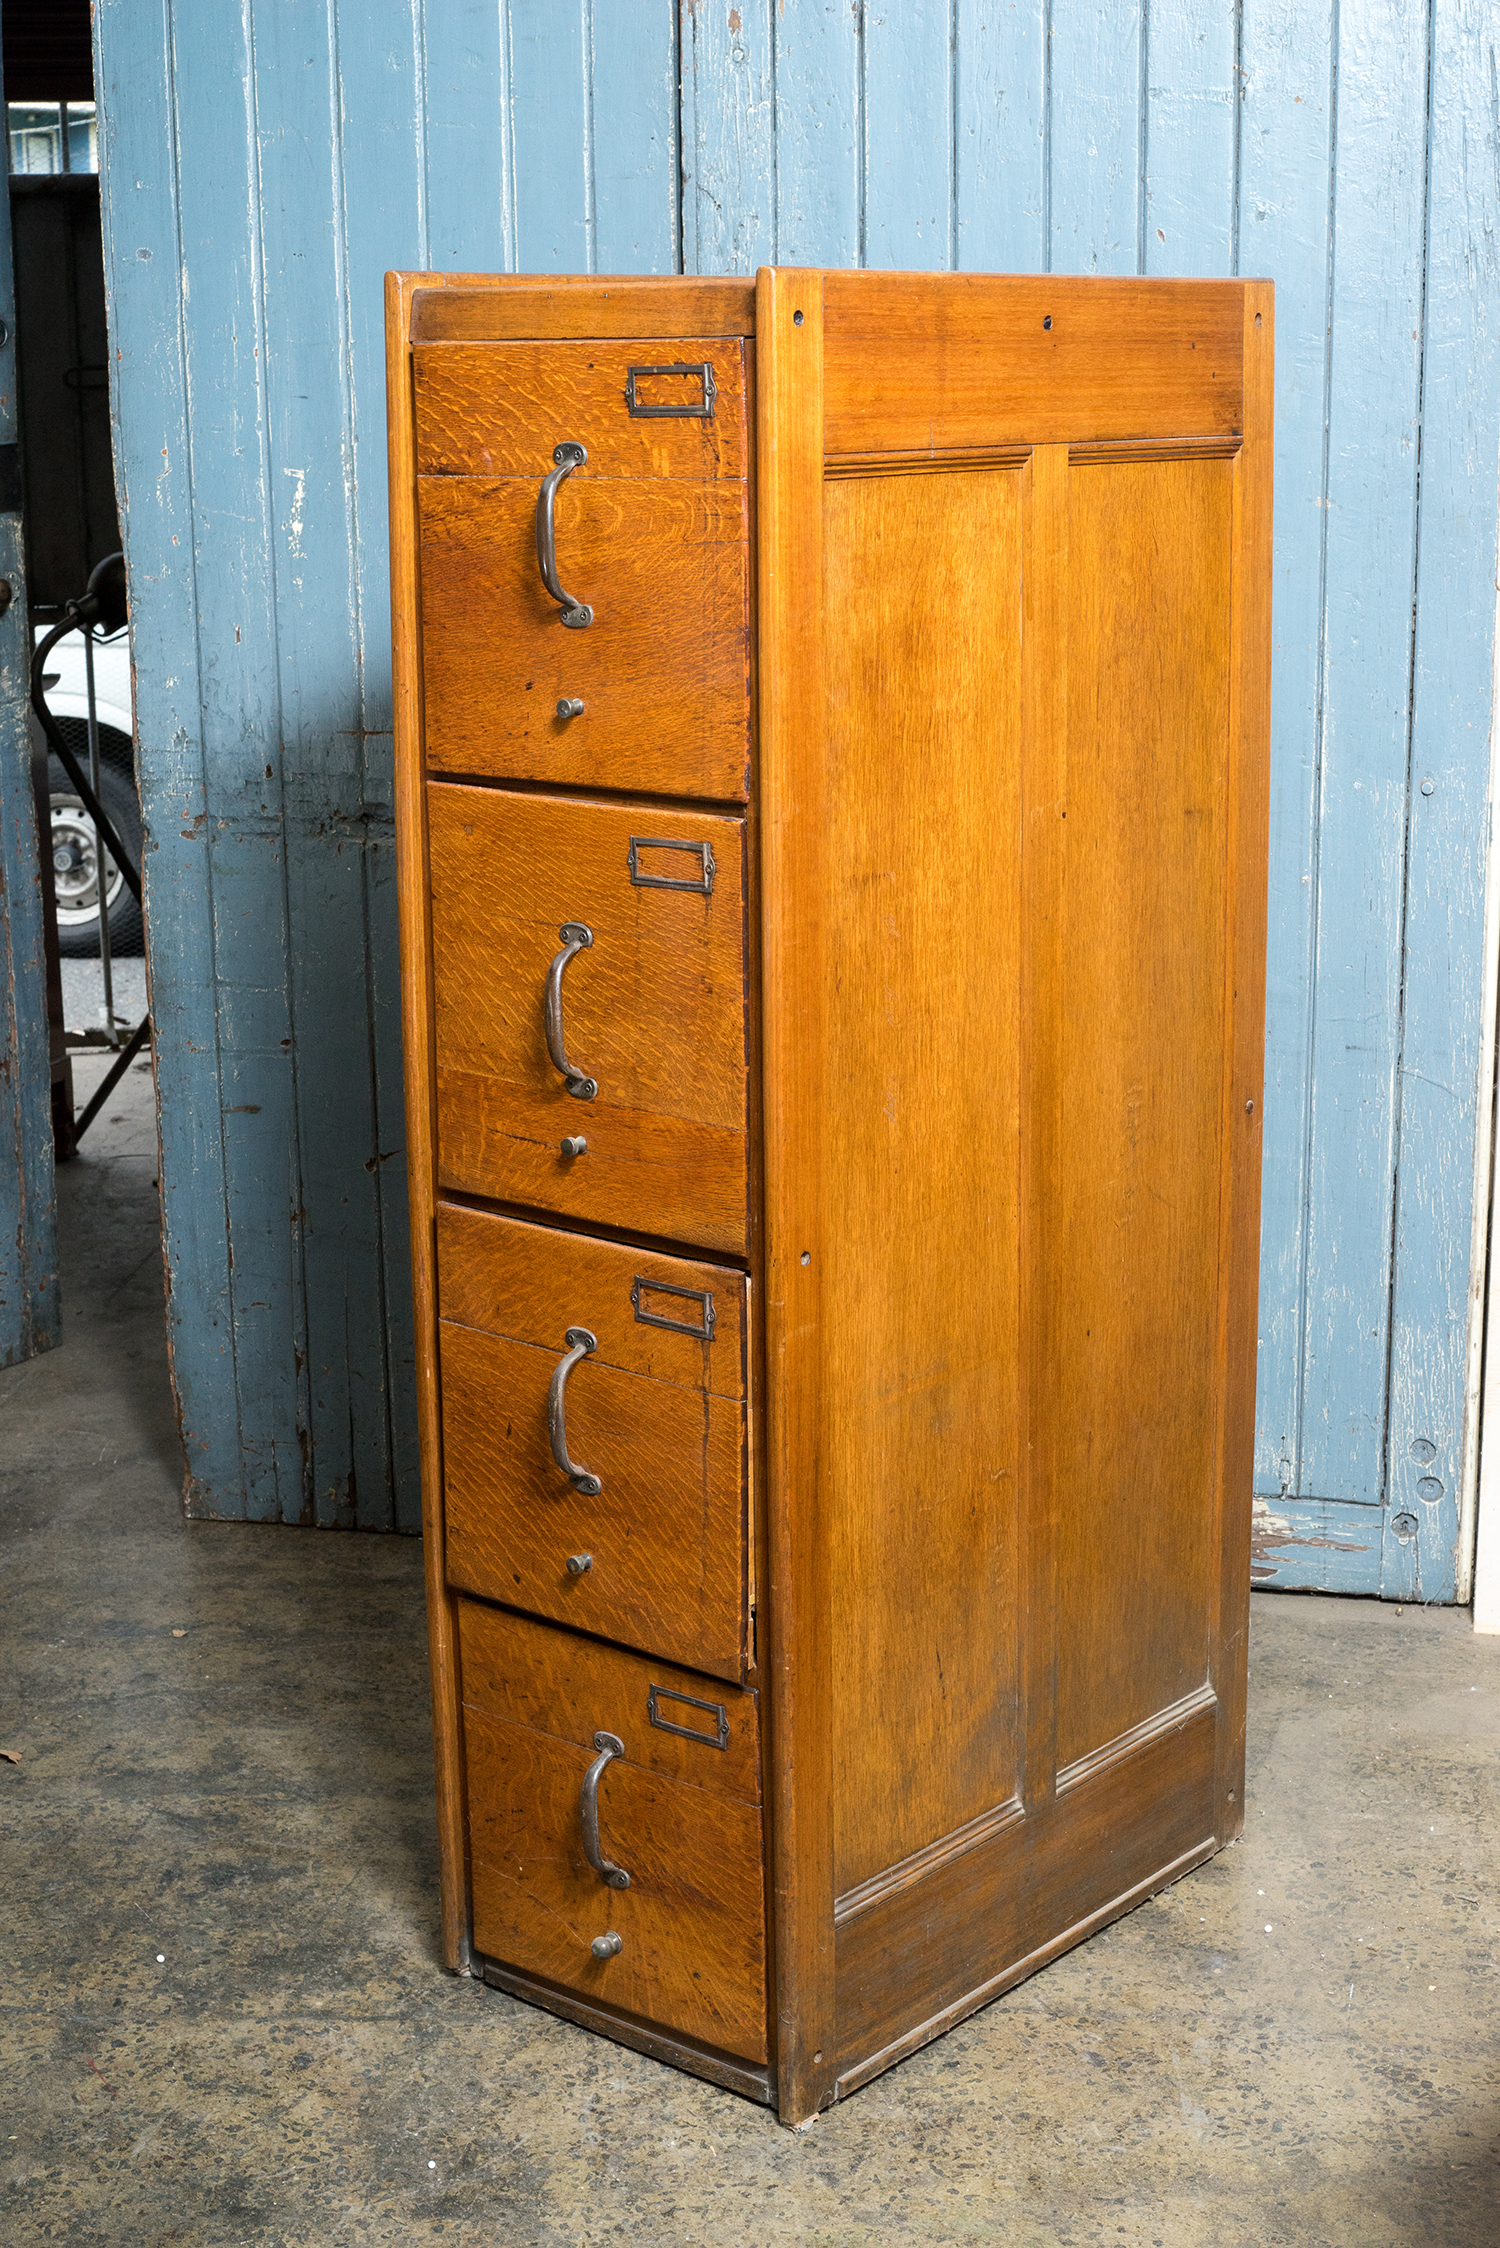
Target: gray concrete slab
x=222 y=2019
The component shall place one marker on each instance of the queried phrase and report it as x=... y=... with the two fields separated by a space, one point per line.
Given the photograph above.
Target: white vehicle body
x=69 y=697
x=73 y=842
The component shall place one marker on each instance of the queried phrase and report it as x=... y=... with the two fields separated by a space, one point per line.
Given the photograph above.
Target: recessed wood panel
x=662 y=672
x=918 y=1959
x=497 y=409
x=1134 y=1249
x=653 y=1011
x=922 y=593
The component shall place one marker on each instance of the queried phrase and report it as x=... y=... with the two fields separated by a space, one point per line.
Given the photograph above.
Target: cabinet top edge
x=486 y=308
x=481 y=307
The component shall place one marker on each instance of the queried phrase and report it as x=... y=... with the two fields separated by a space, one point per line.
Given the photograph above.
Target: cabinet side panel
x=1135 y=1248
x=922 y=590
x=417 y=1043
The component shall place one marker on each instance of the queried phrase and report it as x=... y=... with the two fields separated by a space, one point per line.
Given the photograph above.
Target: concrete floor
x=222 y=2019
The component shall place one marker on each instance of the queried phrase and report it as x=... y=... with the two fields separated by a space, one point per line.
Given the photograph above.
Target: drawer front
x=680 y=1816
x=651 y=531
x=488 y=409
x=653 y=1010
x=655 y=1413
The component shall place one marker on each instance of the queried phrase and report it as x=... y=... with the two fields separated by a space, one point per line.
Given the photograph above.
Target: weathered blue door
x=28 y=1231
x=265 y=160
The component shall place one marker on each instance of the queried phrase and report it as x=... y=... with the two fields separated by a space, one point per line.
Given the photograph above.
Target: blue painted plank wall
x=29 y=1310
x=265 y=161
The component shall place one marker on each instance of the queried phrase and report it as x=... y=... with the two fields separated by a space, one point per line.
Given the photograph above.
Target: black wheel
x=74 y=870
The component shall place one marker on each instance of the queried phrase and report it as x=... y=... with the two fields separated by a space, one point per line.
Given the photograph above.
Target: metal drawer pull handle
x=609 y=1745
x=568 y=706
x=607 y=1947
x=575 y=614
x=580 y=1342
x=577 y=936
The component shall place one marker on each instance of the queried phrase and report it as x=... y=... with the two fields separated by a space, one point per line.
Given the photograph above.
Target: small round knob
x=568 y=706
x=607 y=1947
x=578 y=1563
x=575 y=1146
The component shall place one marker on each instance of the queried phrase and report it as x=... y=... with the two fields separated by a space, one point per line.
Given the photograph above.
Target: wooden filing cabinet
x=831 y=734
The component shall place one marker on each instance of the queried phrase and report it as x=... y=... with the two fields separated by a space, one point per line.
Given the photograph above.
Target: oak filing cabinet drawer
x=670 y=1766
x=832 y=719
x=644 y=999
x=649 y=532
x=631 y=1367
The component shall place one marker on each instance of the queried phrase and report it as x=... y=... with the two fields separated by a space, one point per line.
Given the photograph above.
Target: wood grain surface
x=479 y=307
x=665 y=1534
x=421 y=1122
x=496 y=409
x=917 y=1960
x=528 y=1282
x=557 y=1682
x=1248 y=841
x=796 y=872
x=663 y=670
x=966 y=359
x=654 y=1011
x=692 y=1921
x=1134 y=1239
x=923 y=719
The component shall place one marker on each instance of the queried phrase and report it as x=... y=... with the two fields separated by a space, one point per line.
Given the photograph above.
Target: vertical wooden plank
x=728 y=135
x=633 y=77
x=407 y=104
x=1000 y=173
x=1442 y=963
x=135 y=74
x=1286 y=174
x=1244 y=1058
x=316 y=646
x=1189 y=138
x=454 y=117
x=819 y=167
x=549 y=94
x=1096 y=120
x=793 y=829
x=1371 y=510
x=908 y=153
x=29 y=1304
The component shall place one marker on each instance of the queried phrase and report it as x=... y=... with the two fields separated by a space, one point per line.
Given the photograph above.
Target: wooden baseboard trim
x=1168 y=1720
x=997 y=1985
x=744 y=2077
x=948 y=1846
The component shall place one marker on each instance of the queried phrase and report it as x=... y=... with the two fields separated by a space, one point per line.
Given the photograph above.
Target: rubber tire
x=117 y=795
